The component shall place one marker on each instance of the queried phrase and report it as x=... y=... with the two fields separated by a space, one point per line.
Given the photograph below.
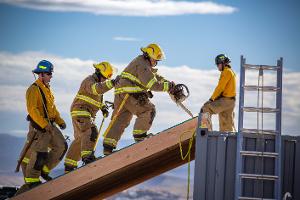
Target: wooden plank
x=122 y=169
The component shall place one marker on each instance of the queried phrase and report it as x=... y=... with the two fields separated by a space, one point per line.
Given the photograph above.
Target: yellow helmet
x=154 y=51
x=105 y=68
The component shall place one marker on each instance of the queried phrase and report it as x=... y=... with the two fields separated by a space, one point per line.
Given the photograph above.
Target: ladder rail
x=277 y=189
x=259 y=133
x=238 y=182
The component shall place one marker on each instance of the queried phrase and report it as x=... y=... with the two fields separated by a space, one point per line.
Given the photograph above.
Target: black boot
x=33 y=185
x=46 y=176
x=107 y=151
x=88 y=159
x=141 y=137
x=69 y=169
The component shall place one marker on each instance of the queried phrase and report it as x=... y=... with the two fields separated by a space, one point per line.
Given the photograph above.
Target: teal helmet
x=44 y=66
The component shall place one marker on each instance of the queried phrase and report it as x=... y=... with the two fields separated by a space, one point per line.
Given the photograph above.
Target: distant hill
x=171 y=185
x=10 y=148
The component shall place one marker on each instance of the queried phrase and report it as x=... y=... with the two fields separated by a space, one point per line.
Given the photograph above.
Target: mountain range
x=170 y=185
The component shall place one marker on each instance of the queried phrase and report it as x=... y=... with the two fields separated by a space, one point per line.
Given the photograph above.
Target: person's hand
x=209 y=101
x=116 y=80
x=172 y=87
x=105 y=112
x=62 y=126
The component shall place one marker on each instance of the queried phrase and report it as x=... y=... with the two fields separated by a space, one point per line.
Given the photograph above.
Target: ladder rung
x=263 y=67
x=254 y=198
x=259 y=154
x=262 y=110
x=259 y=176
x=261 y=88
x=257 y=131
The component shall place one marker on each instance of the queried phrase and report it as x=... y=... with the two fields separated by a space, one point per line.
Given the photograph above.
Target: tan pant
x=84 y=142
x=225 y=108
x=145 y=113
x=39 y=154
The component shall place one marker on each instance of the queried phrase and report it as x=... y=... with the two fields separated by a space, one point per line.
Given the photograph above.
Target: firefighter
x=138 y=79
x=222 y=101
x=88 y=101
x=49 y=145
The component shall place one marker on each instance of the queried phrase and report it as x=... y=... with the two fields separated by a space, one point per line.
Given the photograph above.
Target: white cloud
x=16 y=76
x=127 y=7
x=128 y=39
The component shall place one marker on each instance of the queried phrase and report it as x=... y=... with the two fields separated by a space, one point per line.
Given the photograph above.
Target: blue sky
x=261 y=30
x=74 y=35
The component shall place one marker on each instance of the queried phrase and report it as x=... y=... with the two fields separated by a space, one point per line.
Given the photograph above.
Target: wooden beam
x=122 y=169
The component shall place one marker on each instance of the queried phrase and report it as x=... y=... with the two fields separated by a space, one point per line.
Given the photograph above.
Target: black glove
x=105 y=112
x=116 y=80
x=172 y=87
x=62 y=126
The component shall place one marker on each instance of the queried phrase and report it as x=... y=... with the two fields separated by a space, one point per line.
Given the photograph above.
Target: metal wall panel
x=215 y=166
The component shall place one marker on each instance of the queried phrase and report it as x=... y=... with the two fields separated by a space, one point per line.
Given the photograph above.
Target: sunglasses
x=48 y=73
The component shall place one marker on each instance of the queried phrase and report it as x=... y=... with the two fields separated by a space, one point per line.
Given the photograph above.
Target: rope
x=187 y=155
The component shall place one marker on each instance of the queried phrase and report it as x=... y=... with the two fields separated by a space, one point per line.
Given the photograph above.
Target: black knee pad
x=94 y=134
x=41 y=159
x=152 y=115
x=64 y=152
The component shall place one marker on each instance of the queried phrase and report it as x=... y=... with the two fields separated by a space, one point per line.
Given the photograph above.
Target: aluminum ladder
x=258 y=180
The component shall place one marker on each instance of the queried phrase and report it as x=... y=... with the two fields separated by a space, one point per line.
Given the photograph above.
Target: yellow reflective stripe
x=42 y=67
x=135 y=89
x=46 y=169
x=89 y=100
x=31 y=180
x=166 y=86
x=80 y=113
x=109 y=84
x=94 y=90
x=110 y=141
x=84 y=153
x=131 y=77
x=151 y=82
x=25 y=160
x=71 y=162
x=139 y=132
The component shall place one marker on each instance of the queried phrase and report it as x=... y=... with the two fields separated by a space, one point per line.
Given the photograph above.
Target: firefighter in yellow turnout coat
x=137 y=79
x=49 y=145
x=84 y=108
x=222 y=101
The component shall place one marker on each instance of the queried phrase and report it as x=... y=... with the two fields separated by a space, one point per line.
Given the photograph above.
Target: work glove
x=105 y=112
x=62 y=126
x=172 y=87
x=116 y=80
x=207 y=102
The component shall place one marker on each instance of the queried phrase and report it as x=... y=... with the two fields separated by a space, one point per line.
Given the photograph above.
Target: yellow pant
x=145 y=112
x=224 y=107
x=39 y=156
x=84 y=142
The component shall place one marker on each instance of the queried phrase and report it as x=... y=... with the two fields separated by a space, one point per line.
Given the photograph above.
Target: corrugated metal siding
x=215 y=166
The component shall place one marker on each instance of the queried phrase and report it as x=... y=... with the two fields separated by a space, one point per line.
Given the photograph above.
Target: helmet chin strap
x=99 y=75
